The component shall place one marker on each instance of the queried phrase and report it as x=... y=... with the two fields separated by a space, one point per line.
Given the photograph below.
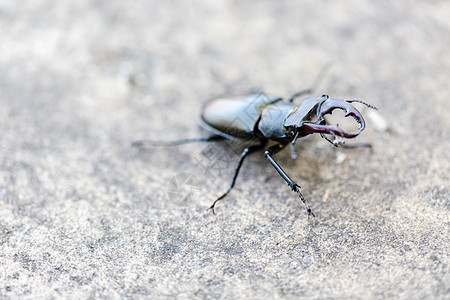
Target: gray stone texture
x=85 y=215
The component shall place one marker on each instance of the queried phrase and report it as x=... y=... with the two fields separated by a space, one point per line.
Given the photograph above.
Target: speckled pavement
x=85 y=215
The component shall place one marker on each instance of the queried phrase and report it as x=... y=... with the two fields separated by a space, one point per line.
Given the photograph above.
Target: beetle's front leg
x=294 y=186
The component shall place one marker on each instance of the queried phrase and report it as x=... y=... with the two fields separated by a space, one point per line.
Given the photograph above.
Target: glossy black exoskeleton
x=260 y=117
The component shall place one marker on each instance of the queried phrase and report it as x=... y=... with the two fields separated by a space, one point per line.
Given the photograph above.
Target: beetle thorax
x=271 y=124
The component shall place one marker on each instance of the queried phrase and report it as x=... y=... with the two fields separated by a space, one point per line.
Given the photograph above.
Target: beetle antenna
x=362 y=102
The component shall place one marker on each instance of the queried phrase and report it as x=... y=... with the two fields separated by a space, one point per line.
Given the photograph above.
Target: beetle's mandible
x=261 y=117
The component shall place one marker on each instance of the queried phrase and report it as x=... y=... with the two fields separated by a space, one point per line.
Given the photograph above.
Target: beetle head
x=308 y=118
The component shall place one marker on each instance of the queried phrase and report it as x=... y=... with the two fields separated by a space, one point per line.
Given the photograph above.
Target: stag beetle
x=262 y=117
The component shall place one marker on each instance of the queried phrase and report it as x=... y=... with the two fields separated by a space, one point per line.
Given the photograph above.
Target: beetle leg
x=357 y=145
x=150 y=143
x=301 y=93
x=347 y=146
x=244 y=154
x=294 y=186
x=327 y=139
x=291 y=145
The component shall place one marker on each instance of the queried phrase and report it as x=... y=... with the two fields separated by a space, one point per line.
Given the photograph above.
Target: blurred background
x=83 y=213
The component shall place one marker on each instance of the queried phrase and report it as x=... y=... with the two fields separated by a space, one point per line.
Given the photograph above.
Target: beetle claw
x=294 y=187
x=211 y=208
x=330 y=129
x=332 y=103
x=327 y=107
x=308 y=209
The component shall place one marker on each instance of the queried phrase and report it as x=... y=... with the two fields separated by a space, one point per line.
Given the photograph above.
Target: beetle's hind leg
x=150 y=143
x=358 y=145
x=294 y=186
x=244 y=154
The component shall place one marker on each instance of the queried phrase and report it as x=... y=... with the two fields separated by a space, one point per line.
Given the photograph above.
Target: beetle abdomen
x=235 y=117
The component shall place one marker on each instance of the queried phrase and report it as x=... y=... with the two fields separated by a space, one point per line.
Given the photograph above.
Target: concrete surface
x=85 y=215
